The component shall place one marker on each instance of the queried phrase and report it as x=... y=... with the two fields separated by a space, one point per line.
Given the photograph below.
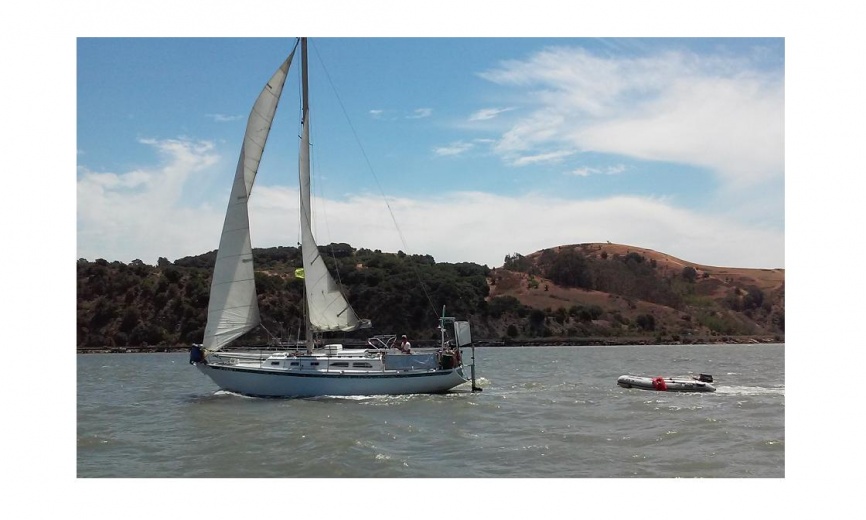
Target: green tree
x=753 y=299
x=690 y=274
x=646 y=322
x=569 y=269
x=500 y=305
x=537 y=318
x=517 y=263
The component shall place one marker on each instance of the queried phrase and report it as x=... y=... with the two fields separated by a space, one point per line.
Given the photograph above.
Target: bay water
x=550 y=435
x=544 y=412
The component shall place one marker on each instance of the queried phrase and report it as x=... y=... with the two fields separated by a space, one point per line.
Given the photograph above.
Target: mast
x=327 y=309
x=305 y=103
x=304 y=173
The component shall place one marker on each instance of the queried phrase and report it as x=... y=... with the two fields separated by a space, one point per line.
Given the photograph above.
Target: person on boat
x=405 y=347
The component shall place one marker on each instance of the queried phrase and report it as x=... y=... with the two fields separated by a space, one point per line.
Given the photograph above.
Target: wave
x=750 y=390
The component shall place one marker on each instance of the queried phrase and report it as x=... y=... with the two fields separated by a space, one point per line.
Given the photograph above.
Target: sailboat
x=317 y=368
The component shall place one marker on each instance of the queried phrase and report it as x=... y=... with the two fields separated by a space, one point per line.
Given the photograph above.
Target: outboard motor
x=195 y=354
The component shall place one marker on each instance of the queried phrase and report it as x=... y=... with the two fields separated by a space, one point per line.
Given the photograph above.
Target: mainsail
x=233 y=309
x=327 y=308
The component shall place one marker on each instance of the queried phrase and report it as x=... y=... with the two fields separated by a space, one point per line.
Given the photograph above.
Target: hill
x=582 y=293
x=641 y=291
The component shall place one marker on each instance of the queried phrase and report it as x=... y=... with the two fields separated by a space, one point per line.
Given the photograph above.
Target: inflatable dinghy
x=668 y=384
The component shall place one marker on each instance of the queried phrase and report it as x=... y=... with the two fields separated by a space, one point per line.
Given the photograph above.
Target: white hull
x=670 y=384
x=280 y=382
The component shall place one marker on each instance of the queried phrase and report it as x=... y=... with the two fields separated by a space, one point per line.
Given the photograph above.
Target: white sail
x=233 y=309
x=327 y=308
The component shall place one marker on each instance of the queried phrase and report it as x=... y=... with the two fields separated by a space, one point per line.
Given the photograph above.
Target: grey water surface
x=543 y=412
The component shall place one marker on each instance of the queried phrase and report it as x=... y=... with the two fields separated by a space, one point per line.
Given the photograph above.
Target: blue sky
x=481 y=146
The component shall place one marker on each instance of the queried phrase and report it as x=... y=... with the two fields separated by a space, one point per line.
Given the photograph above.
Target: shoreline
x=540 y=342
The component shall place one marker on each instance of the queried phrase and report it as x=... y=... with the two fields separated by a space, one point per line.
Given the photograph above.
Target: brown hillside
x=706 y=309
x=764 y=279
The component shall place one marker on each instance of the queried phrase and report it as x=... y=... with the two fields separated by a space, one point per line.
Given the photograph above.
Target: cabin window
x=314 y=364
x=362 y=364
x=294 y=363
x=340 y=364
x=275 y=363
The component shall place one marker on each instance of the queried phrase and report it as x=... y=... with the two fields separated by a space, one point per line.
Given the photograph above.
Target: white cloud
x=586 y=171
x=483 y=228
x=714 y=112
x=222 y=118
x=395 y=115
x=139 y=213
x=526 y=136
x=455 y=148
x=488 y=113
x=547 y=157
x=420 y=113
x=719 y=124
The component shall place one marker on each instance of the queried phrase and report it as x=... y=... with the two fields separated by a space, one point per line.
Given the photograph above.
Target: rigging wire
x=376 y=179
x=322 y=206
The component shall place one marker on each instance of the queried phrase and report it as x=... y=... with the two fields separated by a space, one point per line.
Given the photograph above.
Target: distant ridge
x=589 y=293
x=628 y=282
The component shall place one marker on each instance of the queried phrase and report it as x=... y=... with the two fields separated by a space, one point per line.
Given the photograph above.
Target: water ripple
x=543 y=412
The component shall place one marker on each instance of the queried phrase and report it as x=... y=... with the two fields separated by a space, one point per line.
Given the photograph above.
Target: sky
x=464 y=148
